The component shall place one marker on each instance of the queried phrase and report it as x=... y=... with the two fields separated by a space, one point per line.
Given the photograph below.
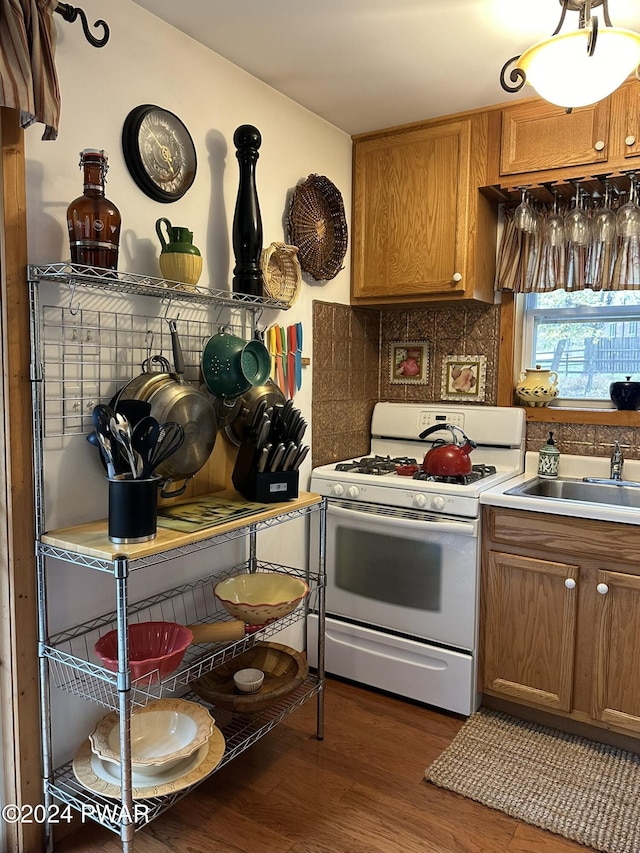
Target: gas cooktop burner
x=375 y=465
x=478 y=472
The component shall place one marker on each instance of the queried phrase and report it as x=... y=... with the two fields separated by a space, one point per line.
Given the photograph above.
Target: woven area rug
x=582 y=790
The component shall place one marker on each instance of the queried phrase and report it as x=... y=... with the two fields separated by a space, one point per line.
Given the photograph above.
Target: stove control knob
x=337 y=490
x=353 y=492
x=420 y=501
x=438 y=503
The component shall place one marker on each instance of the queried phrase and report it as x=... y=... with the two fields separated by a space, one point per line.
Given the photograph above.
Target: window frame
x=527 y=319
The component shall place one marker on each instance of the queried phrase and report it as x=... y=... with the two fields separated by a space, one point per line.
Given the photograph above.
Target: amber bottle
x=93 y=220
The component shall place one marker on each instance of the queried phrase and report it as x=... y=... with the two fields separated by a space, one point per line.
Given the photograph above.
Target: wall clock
x=159 y=152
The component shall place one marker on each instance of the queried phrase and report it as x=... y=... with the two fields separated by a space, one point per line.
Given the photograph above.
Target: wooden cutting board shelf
x=92 y=540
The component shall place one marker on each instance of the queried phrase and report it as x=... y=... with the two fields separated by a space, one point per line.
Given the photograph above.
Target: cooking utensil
x=104 y=446
x=231 y=365
x=263 y=455
x=170 y=440
x=218 y=632
x=262 y=433
x=277 y=455
x=301 y=428
x=289 y=456
x=121 y=430
x=283 y=356
x=280 y=379
x=133 y=410
x=298 y=356
x=291 y=361
x=300 y=456
x=175 y=400
x=448 y=459
x=238 y=428
x=271 y=346
x=144 y=439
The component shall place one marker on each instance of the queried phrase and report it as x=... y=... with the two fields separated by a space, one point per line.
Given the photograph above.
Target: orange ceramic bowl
x=153 y=646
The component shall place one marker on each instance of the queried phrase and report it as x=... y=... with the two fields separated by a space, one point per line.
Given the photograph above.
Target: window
x=589 y=338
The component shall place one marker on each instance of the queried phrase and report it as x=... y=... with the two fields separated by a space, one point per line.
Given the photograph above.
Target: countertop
x=92 y=540
x=575 y=467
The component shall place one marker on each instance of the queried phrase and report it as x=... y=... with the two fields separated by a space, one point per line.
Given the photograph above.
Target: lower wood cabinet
x=531 y=629
x=560 y=616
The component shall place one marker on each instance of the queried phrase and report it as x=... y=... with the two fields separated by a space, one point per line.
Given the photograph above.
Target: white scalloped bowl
x=261 y=597
x=163 y=734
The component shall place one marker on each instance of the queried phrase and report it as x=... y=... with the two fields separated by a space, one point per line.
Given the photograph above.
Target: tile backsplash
x=351 y=365
x=351 y=372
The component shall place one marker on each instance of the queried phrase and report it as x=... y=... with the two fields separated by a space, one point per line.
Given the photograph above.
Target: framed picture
x=408 y=362
x=464 y=378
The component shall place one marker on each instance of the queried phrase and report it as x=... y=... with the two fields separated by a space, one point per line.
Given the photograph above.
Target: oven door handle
x=459 y=528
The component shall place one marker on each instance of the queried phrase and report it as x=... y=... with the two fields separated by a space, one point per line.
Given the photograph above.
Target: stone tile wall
x=346 y=370
x=585 y=439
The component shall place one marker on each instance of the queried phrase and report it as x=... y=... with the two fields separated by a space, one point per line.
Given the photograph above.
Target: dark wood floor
x=360 y=790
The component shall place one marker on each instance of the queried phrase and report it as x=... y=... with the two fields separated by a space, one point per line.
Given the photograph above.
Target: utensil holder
x=262 y=486
x=133 y=509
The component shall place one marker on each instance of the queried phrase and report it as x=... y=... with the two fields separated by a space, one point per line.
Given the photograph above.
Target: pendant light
x=578 y=67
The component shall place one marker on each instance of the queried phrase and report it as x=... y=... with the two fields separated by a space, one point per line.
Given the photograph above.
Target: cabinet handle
x=570 y=583
x=602 y=588
x=457 y=276
x=599 y=146
x=630 y=140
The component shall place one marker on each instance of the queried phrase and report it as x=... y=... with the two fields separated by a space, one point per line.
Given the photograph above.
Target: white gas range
x=402 y=552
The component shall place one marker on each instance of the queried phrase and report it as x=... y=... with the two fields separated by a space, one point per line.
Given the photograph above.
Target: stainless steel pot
x=268 y=395
x=173 y=399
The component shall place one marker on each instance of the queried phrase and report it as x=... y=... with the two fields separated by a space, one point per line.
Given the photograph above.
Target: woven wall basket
x=281 y=272
x=318 y=227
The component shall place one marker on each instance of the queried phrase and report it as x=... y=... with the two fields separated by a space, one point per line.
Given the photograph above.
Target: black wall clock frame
x=159 y=152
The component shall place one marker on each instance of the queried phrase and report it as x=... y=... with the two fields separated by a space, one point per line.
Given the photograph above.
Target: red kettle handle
x=437 y=428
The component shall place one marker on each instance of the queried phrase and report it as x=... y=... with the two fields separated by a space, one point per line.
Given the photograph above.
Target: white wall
x=146 y=61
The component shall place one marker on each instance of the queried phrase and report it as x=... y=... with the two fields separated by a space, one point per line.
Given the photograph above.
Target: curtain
x=28 y=79
x=532 y=262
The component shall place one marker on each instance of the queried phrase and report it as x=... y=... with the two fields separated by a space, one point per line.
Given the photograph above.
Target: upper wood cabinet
x=541 y=142
x=421 y=231
x=537 y=136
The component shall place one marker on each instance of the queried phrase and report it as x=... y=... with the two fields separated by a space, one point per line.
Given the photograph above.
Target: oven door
x=403 y=572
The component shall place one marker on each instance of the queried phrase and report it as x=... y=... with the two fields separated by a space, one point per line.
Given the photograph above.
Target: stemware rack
x=82 y=345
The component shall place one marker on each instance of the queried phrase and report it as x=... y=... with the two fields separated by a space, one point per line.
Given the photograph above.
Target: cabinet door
x=537 y=136
x=411 y=212
x=616 y=680
x=529 y=629
x=627 y=118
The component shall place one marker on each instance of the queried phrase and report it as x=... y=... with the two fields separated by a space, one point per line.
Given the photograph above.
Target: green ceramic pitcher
x=180 y=260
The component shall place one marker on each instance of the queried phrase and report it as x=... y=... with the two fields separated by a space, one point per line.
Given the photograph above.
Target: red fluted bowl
x=156 y=649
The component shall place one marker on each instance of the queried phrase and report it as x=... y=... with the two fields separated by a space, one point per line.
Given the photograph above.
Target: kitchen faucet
x=617 y=461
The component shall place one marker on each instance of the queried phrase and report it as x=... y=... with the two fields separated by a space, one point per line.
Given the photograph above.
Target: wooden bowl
x=284 y=670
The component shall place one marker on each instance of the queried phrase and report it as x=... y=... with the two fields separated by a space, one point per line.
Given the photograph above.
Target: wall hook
x=70 y=13
x=73 y=309
x=166 y=314
x=148 y=339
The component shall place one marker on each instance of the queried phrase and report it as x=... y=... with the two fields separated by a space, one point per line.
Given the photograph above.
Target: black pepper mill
x=247 y=223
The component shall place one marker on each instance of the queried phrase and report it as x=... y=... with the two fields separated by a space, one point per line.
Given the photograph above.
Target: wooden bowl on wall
x=284 y=671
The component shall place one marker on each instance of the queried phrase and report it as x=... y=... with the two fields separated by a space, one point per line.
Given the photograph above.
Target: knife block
x=262 y=486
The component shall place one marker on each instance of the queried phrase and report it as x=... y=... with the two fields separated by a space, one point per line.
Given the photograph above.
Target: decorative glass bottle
x=93 y=220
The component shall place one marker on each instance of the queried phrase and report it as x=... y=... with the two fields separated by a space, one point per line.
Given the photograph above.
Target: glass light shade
x=563 y=73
